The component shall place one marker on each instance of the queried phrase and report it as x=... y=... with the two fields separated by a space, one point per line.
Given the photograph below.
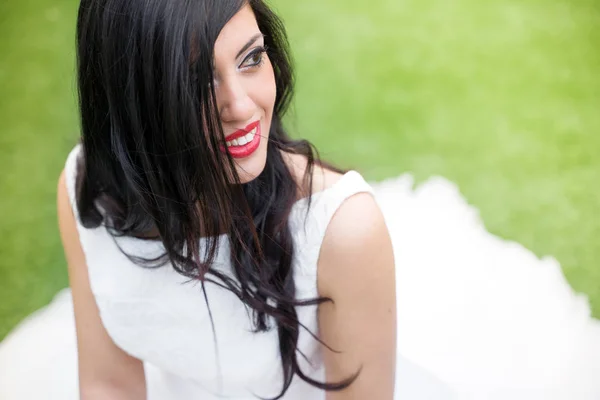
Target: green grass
x=502 y=97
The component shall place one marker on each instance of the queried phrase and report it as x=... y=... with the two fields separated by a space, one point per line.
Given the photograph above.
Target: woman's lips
x=250 y=136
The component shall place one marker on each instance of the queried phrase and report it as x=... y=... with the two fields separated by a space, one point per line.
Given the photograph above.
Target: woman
x=212 y=256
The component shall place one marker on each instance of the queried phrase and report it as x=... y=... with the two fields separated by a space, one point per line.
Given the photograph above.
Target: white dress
x=478 y=317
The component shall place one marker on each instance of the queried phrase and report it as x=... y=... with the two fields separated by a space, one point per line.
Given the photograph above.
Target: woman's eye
x=254 y=59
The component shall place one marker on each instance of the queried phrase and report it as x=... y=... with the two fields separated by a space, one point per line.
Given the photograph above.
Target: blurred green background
x=500 y=96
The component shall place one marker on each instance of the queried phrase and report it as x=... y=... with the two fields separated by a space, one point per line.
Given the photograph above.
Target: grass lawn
x=502 y=97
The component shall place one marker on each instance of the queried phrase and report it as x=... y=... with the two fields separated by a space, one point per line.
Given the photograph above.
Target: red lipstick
x=243 y=142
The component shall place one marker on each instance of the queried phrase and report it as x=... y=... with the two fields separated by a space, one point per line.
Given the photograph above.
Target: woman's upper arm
x=104 y=369
x=356 y=270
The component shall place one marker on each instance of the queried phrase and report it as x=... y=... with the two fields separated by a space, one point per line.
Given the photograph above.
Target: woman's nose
x=235 y=101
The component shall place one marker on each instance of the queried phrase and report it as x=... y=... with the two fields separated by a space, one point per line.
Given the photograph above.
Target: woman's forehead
x=238 y=31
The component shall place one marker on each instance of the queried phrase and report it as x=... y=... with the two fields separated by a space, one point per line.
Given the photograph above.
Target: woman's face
x=245 y=90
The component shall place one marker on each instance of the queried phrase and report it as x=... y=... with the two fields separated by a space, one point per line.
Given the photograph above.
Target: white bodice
x=161 y=317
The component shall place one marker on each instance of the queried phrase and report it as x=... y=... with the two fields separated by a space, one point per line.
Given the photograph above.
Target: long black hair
x=151 y=166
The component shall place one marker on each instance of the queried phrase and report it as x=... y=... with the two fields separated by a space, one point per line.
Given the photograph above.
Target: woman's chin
x=249 y=168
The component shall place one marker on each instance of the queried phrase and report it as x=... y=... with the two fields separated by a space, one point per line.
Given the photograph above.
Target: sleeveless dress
x=478 y=317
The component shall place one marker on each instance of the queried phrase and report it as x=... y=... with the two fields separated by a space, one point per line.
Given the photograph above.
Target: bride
x=210 y=255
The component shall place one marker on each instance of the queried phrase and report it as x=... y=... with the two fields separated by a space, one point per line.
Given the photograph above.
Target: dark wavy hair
x=151 y=166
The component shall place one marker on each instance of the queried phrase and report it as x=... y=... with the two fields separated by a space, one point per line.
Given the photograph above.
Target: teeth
x=244 y=139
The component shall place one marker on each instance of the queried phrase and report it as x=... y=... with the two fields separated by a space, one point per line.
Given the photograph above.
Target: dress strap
x=332 y=198
x=310 y=228
x=71 y=177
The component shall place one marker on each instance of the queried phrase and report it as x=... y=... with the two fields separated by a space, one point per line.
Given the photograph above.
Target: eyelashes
x=252 y=61
x=255 y=58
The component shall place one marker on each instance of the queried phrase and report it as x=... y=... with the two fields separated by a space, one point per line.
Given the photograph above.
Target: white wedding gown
x=478 y=317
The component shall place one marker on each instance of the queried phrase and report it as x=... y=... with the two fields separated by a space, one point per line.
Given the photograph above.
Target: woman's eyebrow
x=249 y=43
